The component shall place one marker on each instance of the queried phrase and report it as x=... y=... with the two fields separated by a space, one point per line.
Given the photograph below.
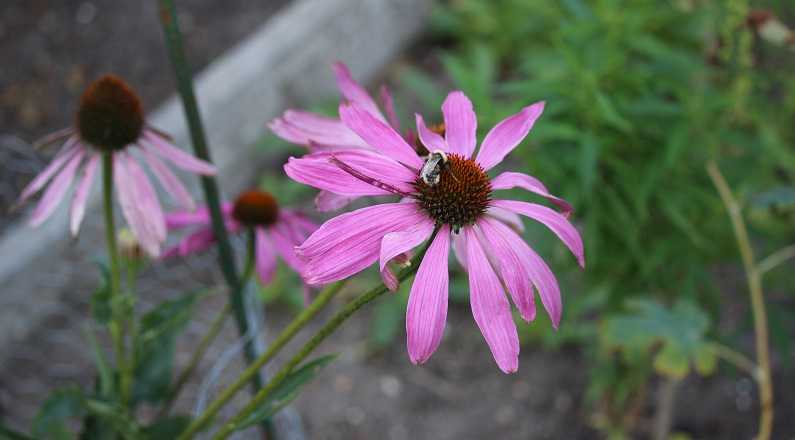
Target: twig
x=753 y=274
x=665 y=408
x=773 y=260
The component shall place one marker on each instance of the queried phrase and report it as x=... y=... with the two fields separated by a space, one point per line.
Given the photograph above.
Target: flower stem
x=329 y=328
x=754 y=277
x=116 y=325
x=284 y=337
x=176 y=52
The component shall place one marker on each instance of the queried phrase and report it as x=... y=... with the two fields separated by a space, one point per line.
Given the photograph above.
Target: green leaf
x=678 y=331
x=61 y=406
x=166 y=428
x=10 y=434
x=155 y=346
x=114 y=415
x=287 y=390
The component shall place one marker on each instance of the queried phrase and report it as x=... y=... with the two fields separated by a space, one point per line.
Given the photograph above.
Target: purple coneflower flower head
x=322 y=133
x=110 y=119
x=277 y=230
x=449 y=190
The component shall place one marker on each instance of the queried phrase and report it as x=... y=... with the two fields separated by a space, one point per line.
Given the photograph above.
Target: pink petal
x=426 y=314
x=300 y=222
x=56 y=190
x=195 y=242
x=510 y=180
x=134 y=212
x=510 y=218
x=314 y=130
x=65 y=154
x=170 y=182
x=390 y=279
x=551 y=219
x=349 y=243
x=431 y=140
x=379 y=135
x=460 y=124
x=319 y=171
x=396 y=243
x=389 y=106
x=177 y=156
x=512 y=266
x=490 y=308
x=542 y=277
x=285 y=240
x=354 y=92
x=181 y=219
x=507 y=134
x=328 y=201
x=266 y=259
x=81 y=193
x=147 y=200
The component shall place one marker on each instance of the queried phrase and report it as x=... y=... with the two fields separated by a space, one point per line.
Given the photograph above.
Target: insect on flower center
x=110 y=115
x=461 y=194
x=255 y=208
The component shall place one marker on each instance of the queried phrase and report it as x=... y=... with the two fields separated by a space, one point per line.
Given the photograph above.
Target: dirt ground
x=50 y=50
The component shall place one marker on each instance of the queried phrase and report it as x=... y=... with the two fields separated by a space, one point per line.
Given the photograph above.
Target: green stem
x=215 y=329
x=754 y=278
x=176 y=52
x=116 y=324
x=329 y=328
x=284 y=337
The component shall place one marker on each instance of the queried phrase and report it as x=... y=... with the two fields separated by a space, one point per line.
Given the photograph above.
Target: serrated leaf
x=287 y=390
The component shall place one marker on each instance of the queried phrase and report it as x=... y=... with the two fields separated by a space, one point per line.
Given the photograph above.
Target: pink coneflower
x=110 y=120
x=277 y=230
x=322 y=133
x=455 y=197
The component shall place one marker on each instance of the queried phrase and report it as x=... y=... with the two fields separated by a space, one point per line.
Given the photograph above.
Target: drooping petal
x=390 y=279
x=315 y=131
x=490 y=307
x=541 y=275
x=379 y=135
x=195 y=242
x=510 y=218
x=512 y=268
x=284 y=241
x=170 y=182
x=265 y=257
x=318 y=170
x=177 y=156
x=551 y=219
x=80 y=199
x=301 y=223
x=389 y=107
x=399 y=242
x=507 y=134
x=134 y=213
x=426 y=314
x=146 y=197
x=181 y=219
x=56 y=190
x=431 y=140
x=351 y=242
x=326 y=201
x=67 y=152
x=460 y=124
x=510 y=180
x=354 y=92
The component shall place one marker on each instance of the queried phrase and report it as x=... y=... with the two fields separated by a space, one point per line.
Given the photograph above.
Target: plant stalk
x=176 y=52
x=753 y=275
x=116 y=325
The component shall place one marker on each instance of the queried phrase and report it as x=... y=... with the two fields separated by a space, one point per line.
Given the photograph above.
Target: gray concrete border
x=286 y=62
